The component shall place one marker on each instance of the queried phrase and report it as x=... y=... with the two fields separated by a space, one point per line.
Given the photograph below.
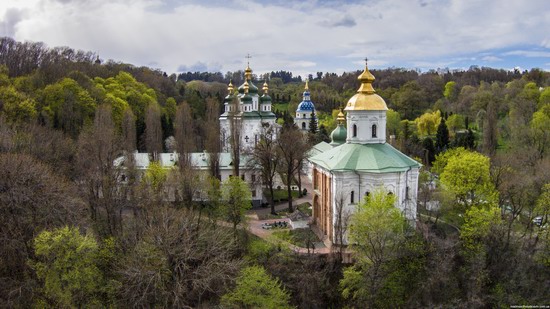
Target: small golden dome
x=230 y=87
x=265 y=88
x=245 y=86
x=366 y=99
x=341 y=117
x=307 y=86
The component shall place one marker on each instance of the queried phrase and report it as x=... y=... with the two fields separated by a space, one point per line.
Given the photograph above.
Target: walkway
x=255 y=225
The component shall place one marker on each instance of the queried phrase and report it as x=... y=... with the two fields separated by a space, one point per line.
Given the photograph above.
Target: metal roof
x=372 y=158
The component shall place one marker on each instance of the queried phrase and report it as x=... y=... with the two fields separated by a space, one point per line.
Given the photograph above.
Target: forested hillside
x=72 y=236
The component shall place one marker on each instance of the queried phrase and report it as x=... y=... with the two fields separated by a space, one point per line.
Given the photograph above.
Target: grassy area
x=299 y=237
x=305 y=208
x=280 y=195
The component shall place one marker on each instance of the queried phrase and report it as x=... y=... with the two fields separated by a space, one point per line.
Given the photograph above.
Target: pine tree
x=442 y=137
x=313 y=124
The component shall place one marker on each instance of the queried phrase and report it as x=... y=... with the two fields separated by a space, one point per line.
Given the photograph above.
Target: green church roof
x=372 y=158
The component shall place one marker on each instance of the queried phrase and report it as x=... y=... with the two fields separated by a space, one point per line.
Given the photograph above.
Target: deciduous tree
x=256 y=289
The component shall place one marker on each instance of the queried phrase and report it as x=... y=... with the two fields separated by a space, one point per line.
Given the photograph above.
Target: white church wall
x=344 y=183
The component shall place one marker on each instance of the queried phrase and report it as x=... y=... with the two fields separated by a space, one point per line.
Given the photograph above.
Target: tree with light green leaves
x=455 y=122
x=393 y=122
x=237 y=200
x=451 y=91
x=427 y=123
x=68 y=265
x=388 y=262
x=257 y=289
x=465 y=175
x=68 y=106
x=540 y=129
x=16 y=106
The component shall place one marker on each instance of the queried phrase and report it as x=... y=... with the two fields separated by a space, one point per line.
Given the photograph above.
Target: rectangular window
x=253 y=177
x=253 y=193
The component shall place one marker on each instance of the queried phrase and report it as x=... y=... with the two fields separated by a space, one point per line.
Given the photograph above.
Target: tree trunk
x=271 y=200
x=288 y=183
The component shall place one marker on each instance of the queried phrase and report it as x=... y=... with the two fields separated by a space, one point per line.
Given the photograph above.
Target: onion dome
x=246 y=98
x=265 y=96
x=366 y=98
x=248 y=78
x=339 y=134
x=306 y=105
x=229 y=95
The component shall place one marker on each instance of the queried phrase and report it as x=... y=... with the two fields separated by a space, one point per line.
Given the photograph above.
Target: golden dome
x=366 y=98
x=248 y=72
x=341 y=117
x=230 y=87
x=265 y=88
x=307 y=86
x=245 y=87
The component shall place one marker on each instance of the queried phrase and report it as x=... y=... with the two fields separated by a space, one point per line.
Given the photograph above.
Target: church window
x=304 y=116
x=303 y=125
x=373 y=131
x=253 y=193
x=352 y=197
x=253 y=177
x=242 y=177
x=354 y=130
x=407 y=193
x=255 y=139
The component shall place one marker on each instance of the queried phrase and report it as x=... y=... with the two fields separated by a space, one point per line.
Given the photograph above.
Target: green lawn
x=305 y=208
x=280 y=195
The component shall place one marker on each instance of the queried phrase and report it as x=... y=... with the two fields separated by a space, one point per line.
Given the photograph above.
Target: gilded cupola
x=366 y=97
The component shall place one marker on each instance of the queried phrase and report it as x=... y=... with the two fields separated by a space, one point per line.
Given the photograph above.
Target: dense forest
x=70 y=236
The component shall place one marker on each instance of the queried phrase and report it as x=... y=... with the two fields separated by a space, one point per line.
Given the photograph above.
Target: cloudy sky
x=298 y=36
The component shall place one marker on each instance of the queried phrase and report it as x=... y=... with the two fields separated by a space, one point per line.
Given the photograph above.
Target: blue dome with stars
x=306 y=105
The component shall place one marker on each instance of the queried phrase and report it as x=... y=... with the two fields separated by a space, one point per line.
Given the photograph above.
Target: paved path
x=255 y=225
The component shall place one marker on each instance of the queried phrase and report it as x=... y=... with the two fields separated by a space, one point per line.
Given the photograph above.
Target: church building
x=248 y=110
x=359 y=162
x=305 y=111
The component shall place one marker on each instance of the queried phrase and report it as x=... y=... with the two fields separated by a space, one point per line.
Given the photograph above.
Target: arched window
x=354 y=131
x=367 y=194
x=352 y=199
x=373 y=131
x=303 y=125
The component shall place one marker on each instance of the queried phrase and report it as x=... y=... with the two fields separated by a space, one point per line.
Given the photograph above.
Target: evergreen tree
x=429 y=151
x=313 y=124
x=322 y=134
x=442 y=136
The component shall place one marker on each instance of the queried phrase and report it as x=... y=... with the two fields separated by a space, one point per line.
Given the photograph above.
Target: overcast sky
x=298 y=36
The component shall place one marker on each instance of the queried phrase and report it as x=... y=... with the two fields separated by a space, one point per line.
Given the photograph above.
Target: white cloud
x=297 y=36
x=491 y=58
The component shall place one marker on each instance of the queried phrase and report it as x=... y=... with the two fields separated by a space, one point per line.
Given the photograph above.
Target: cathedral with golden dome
x=357 y=162
x=249 y=109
